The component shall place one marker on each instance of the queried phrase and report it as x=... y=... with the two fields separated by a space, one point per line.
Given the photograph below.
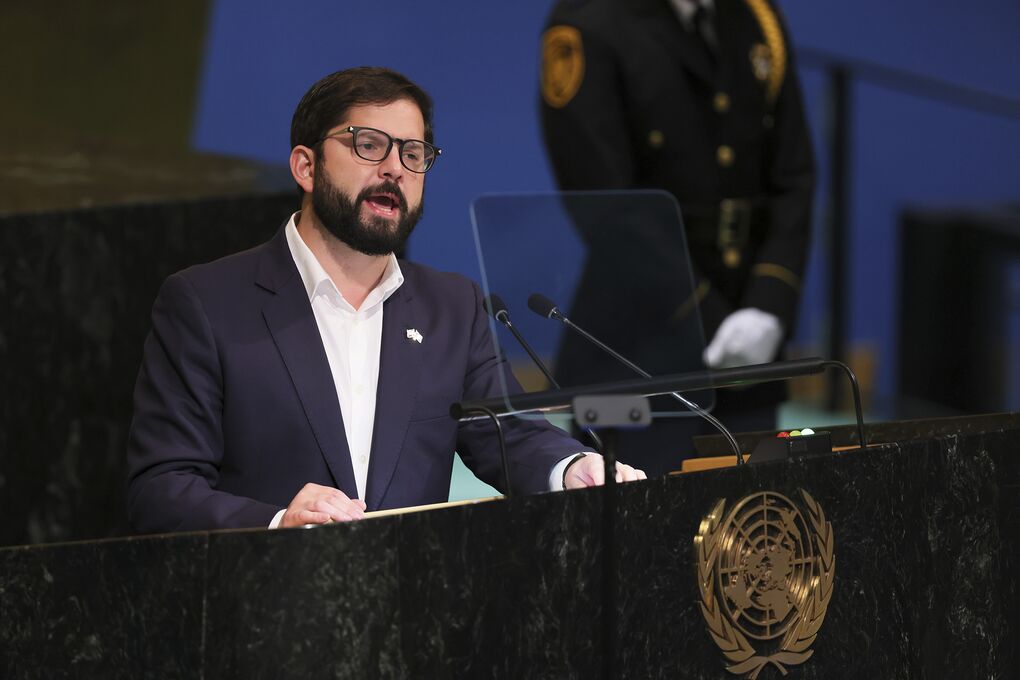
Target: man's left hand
x=591 y=471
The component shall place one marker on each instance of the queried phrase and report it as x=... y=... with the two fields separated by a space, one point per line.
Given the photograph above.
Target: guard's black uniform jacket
x=653 y=108
x=632 y=98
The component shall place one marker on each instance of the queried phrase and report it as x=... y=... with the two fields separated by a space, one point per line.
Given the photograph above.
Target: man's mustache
x=384 y=188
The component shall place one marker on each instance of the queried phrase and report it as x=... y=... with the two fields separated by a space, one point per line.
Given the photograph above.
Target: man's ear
x=302 y=167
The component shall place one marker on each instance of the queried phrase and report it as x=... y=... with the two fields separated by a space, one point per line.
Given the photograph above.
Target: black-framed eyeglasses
x=375 y=145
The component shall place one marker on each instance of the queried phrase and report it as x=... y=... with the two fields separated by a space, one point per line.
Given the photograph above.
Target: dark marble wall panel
x=76 y=289
x=967 y=615
x=1006 y=455
x=312 y=603
x=121 y=609
x=503 y=590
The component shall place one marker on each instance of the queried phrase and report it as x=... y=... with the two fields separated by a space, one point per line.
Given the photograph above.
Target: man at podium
x=308 y=380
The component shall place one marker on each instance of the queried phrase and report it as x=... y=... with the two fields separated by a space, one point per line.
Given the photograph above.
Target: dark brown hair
x=329 y=100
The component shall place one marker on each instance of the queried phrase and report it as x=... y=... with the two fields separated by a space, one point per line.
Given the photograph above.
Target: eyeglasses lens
x=375 y=145
x=372 y=145
x=416 y=156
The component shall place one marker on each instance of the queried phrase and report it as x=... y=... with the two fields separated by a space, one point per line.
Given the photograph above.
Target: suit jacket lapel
x=399 y=368
x=288 y=315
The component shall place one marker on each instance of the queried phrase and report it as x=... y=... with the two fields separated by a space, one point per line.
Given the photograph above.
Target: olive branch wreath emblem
x=796 y=642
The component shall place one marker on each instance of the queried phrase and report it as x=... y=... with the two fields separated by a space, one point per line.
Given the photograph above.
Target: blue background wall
x=479 y=60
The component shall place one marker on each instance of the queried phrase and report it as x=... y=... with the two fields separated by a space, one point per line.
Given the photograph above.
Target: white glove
x=745 y=337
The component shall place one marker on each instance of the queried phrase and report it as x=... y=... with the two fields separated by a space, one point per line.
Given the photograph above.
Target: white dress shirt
x=685 y=9
x=352 y=338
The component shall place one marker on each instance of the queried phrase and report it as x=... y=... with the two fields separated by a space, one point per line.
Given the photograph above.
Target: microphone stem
x=645 y=374
x=504 y=459
x=531 y=353
x=505 y=320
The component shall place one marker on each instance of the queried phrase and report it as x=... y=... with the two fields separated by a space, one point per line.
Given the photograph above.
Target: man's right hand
x=316 y=504
x=590 y=470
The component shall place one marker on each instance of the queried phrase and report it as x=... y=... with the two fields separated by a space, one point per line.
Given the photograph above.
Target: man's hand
x=315 y=504
x=745 y=337
x=591 y=471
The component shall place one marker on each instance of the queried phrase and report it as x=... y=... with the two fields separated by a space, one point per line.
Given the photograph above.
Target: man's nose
x=391 y=167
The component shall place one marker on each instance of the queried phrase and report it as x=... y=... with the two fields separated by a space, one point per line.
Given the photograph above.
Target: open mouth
x=383 y=204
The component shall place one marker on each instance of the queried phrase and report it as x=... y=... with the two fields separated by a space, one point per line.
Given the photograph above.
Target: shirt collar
x=316 y=280
x=685 y=9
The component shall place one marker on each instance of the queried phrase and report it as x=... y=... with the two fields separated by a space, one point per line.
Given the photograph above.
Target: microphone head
x=494 y=306
x=542 y=306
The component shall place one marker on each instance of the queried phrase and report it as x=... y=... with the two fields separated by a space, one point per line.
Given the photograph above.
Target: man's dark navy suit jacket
x=236 y=408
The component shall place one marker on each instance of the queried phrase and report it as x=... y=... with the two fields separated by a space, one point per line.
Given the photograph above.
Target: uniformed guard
x=699 y=98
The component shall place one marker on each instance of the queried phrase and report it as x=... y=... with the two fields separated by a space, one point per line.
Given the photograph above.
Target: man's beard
x=375 y=235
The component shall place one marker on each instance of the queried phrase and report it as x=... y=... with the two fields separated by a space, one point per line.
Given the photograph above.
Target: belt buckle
x=733 y=229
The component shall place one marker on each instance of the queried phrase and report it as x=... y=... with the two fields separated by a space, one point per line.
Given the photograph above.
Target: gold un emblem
x=765 y=574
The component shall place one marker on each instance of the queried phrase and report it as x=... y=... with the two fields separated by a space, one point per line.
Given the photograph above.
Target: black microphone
x=543 y=306
x=494 y=306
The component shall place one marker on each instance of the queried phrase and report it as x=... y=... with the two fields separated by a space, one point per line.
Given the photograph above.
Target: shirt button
x=364 y=459
x=721 y=102
x=359 y=389
x=724 y=155
x=656 y=139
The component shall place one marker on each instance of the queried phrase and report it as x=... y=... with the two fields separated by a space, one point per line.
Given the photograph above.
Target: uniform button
x=656 y=139
x=731 y=258
x=721 y=102
x=724 y=155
